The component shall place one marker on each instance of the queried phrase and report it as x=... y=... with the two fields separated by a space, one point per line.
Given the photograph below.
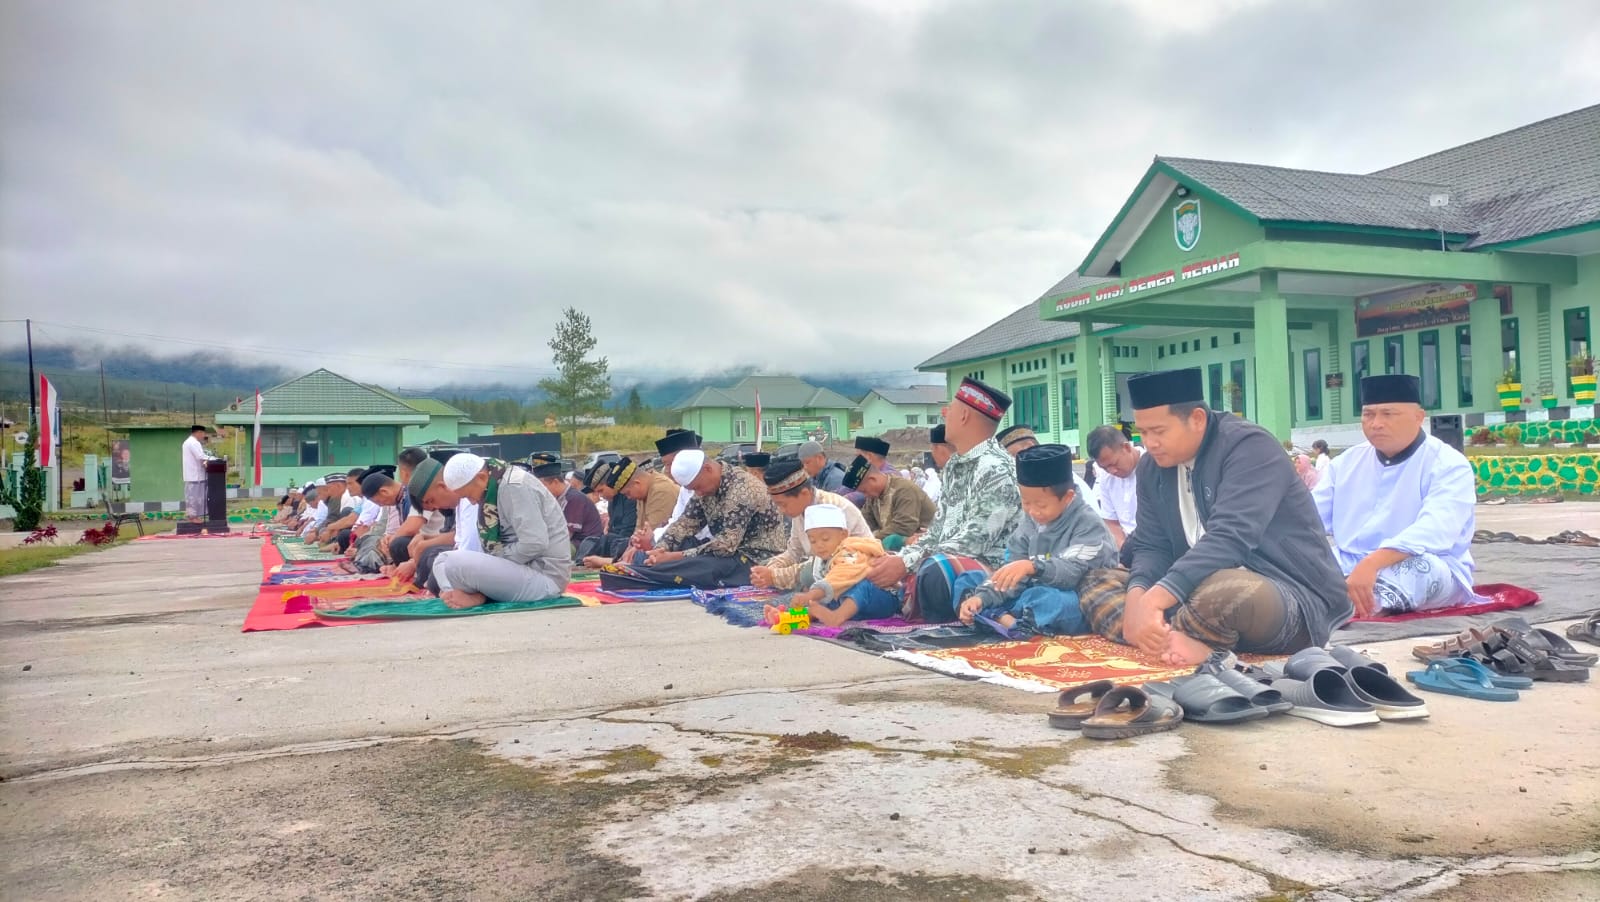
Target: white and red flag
x=255 y=440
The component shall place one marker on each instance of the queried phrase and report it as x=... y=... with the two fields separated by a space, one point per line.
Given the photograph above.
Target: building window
x=911 y=419
x=1510 y=361
x=741 y=428
x=1575 y=325
x=1161 y=352
x=1069 y=403
x=769 y=428
x=1214 y=377
x=310 y=451
x=1312 y=358
x=1238 y=374
x=1032 y=407
x=279 y=446
x=1213 y=342
x=1464 y=365
x=1428 y=354
x=1360 y=368
x=1172 y=350
x=1394 y=354
x=1236 y=338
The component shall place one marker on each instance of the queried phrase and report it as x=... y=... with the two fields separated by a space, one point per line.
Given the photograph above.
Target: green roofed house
x=917 y=407
x=792 y=410
x=444 y=422
x=323 y=422
x=1476 y=269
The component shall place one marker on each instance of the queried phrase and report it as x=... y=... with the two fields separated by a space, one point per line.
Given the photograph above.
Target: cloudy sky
x=804 y=186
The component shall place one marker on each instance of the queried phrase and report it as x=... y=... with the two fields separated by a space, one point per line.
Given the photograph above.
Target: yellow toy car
x=791 y=620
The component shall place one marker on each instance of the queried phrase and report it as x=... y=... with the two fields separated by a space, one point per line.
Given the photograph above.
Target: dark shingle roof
x=785 y=392
x=1528 y=181
x=1274 y=193
x=1022 y=328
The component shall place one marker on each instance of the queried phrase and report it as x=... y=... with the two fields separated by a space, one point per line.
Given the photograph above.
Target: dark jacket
x=1257 y=515
x=624 y=514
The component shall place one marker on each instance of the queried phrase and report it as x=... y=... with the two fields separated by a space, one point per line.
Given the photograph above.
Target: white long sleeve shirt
x=194 y=460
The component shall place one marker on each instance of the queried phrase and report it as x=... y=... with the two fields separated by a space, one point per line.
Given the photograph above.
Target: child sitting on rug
x=1054 y=547
x=832 y=584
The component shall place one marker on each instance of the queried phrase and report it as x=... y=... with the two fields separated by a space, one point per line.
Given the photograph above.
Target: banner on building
x=1424 y=306
x=121 y=462
x=804 y=429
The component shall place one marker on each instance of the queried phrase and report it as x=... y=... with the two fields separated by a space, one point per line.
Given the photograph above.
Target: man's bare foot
x=455 y=598
x=595 y=561
x=1006 y=620
x=1184 y=650
x=770 y=614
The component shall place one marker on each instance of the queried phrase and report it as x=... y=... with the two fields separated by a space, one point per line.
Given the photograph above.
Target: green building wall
x=155 y=463
x=724 y=425
x=438 y=429
x=879 y=416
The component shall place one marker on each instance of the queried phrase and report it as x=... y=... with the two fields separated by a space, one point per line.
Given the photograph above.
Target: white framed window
x=911 y=419
x=769 y=428
x=741 y=427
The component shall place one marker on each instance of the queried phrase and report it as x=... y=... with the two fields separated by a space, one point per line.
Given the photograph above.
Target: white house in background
x=916 y=407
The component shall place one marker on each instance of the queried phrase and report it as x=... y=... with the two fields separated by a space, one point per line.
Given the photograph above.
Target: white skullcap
x=687 y=465
x=460 y=468
x=321 y=481
x=824 y=516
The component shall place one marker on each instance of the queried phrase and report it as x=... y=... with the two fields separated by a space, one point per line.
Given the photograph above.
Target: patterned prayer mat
x=301 y=551
x=1048 y=665
x=740 y=606
x=421 y=608
x=289 y=607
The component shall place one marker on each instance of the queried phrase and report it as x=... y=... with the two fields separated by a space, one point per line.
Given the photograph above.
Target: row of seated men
x=1230 y=551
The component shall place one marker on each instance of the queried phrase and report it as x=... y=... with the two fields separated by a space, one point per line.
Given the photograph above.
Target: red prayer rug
x=1501 y=597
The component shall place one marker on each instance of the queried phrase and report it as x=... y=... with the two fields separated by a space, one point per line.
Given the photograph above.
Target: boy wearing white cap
x=833 y=583
x=526 y=554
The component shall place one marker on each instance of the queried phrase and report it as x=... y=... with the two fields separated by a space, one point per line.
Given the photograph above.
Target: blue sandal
x=1457 y=676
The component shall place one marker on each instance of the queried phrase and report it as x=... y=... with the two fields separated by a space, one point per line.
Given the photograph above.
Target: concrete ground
x=151 y=750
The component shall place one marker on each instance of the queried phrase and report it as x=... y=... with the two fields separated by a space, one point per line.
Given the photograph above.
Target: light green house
x=792 y=410
x=155 y=461
x=1476 y=269
x=917 y=407
x=323 y=422
x=444 y=422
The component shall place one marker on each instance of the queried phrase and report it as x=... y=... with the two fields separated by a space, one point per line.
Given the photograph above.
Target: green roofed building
x=1476 y=268
x=792 y=410
x=444 y=422
x=322 y=422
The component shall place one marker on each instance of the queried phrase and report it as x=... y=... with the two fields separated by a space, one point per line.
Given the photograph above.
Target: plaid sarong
x=930 y=591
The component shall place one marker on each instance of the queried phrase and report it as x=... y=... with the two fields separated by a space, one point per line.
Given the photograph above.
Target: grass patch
x=24 y=558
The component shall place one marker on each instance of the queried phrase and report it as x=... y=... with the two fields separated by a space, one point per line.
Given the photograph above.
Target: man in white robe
x=1400 y=508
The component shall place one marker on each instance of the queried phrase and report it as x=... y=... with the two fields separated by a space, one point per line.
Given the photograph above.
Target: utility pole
x=105 y=409
x=33 y=385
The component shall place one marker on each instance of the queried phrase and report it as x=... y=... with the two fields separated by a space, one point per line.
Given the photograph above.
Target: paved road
x=639 y=751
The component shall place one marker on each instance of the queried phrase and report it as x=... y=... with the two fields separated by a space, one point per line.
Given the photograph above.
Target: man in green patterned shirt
x=733 y=505
x=979 y=507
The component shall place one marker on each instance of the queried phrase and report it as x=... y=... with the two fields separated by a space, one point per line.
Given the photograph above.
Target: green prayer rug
x=434 y=607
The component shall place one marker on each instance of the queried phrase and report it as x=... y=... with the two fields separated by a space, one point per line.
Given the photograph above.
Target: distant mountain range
x=207 y=381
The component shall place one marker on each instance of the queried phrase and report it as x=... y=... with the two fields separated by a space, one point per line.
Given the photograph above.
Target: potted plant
x=1547 y=395
x=1510 y=389
x=1580 y=372
x=1235 y=394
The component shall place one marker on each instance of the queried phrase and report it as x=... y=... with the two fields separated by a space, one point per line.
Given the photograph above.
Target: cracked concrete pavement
x=651 y=751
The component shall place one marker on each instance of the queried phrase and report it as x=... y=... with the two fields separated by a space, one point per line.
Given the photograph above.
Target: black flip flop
x=1206 y=699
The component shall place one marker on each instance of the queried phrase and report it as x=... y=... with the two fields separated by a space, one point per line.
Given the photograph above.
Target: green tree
x=636 y=413
x=581 y=386
x=28 y=498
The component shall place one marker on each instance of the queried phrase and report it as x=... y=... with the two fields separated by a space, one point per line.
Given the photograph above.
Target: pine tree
x=30 y=495
x=636 y=414
x=581 y=386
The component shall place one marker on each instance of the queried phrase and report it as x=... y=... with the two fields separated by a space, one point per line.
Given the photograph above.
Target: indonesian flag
x=255 y=439
x=49 y=423
x=758 y=421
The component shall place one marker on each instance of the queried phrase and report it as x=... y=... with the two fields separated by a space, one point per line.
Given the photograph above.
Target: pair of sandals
x=1587 y=629
x=1467 y=678
x=1514 y=647
x=1104 y=710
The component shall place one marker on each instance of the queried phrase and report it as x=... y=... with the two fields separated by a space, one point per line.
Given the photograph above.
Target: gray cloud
x=799 y=186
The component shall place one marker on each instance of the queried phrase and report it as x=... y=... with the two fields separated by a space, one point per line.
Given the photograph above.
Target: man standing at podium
x=194 y=474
